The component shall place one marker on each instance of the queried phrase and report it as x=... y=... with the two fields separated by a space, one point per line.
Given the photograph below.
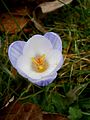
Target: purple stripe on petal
x=45 y=81
x=15 y=50
x=55 y=40
x=40 y=82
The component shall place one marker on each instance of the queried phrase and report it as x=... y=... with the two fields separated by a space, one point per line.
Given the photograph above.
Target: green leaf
x=49 y=108
x=75 y=113
x=58 y=102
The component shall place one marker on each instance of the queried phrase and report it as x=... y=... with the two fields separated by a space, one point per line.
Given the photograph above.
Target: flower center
x=39 y=63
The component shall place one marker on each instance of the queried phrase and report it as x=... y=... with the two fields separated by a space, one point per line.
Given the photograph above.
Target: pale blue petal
x=55 y=40
x=14 y=51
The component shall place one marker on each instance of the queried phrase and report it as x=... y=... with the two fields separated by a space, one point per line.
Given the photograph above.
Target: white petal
x=24 y=63
x=54 y=59
x=37 y=44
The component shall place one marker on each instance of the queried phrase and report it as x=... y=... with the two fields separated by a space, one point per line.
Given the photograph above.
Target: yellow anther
x=35 y=61
x=38 y=60
x=43 y=57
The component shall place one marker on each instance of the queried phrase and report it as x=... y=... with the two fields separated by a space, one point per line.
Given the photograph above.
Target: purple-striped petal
x=55 y=40
x=14 y=51
x=45 y=81
x=41 y=82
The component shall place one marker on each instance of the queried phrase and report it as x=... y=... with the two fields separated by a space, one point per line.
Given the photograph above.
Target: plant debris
x=28 y=111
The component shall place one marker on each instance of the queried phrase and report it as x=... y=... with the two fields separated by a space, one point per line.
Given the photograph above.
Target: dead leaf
x=54 y=117
x=15 y=21
x=44 y=8
x=20 y=111
x=11 y=25
x=20 y=11
x=47 y=7
x=28 y=111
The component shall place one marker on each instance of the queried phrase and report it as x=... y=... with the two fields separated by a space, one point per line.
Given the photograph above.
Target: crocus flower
x=38 y=59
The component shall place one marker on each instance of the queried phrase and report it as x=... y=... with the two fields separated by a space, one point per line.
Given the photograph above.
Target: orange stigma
x=39 y=63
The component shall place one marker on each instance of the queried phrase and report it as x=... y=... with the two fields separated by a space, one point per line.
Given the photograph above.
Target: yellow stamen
x=39 y=64
x=38 y=60
x=34 y=61
x=43 y=57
